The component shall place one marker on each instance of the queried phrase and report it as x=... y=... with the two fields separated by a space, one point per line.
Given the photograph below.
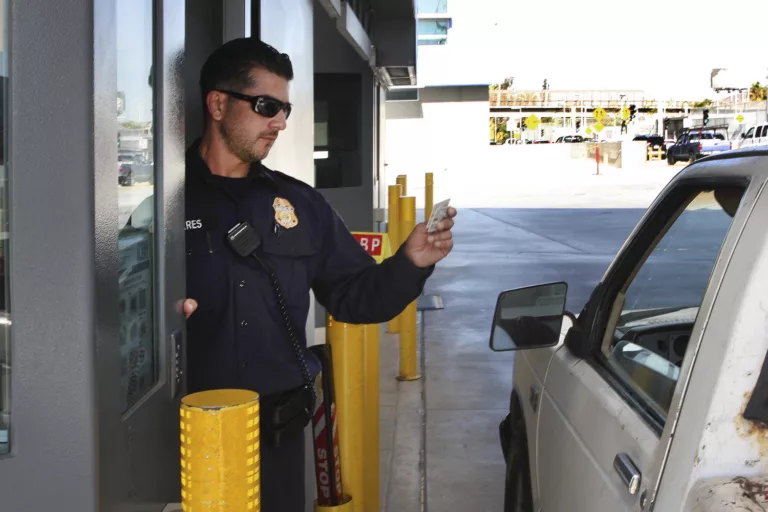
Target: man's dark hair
x=230 y=66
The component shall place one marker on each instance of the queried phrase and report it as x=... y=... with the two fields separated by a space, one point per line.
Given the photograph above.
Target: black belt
x=284 y=415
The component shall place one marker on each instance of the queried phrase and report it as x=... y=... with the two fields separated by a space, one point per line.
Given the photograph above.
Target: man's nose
x=279 y=122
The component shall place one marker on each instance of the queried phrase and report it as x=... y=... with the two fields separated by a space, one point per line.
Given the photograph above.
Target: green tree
x=757 y=92
x=133 y=125
x=507 y=83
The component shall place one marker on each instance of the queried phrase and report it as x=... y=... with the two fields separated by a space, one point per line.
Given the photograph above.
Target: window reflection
x=136 y=187
x=5 y=319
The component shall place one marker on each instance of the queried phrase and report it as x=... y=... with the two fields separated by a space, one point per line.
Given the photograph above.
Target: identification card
x=439 y=212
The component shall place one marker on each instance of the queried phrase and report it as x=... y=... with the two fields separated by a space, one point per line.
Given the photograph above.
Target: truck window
x=750 y=133
x=654 y=312
x=759 y=133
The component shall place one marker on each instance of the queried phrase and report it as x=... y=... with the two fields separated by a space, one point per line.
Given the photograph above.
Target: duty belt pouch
x=285 y=415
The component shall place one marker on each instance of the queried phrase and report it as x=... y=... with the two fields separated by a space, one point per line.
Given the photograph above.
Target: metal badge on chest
x=285 y=213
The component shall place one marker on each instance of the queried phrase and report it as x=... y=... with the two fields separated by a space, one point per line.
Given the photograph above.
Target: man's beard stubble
x=238 y=144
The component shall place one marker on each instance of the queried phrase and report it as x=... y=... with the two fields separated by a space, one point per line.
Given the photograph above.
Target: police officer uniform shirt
x=237 y=337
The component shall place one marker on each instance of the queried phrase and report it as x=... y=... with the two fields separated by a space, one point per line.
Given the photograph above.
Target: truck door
x=602 y=416
x=91 y=356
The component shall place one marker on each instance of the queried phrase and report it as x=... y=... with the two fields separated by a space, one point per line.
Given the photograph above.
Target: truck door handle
x=628 y=472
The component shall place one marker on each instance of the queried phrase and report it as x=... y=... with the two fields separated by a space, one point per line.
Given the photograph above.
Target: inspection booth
x=99 y=102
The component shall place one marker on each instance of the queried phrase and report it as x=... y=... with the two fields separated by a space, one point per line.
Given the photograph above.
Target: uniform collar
x=198 y=168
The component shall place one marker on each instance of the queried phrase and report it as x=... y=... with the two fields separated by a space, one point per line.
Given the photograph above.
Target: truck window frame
x=652 y=229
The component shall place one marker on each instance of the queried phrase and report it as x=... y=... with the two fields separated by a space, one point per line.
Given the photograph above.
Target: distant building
x=436 y=125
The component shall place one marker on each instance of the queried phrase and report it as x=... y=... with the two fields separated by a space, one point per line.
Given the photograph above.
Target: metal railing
x=580 y=99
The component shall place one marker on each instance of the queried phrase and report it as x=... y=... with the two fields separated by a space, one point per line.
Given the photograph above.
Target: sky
x=134 y=58
x=667 y=48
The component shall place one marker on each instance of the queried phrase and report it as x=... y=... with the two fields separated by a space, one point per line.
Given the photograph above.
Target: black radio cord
x=291 y=331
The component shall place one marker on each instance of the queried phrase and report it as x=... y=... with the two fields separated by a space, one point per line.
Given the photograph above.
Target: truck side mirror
x=529 y=317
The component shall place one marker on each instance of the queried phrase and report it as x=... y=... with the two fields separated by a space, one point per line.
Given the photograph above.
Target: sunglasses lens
x=268 y=107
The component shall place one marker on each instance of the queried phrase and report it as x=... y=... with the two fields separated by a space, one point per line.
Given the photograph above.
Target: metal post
x=220 y=457
x=346 y=342
x=408 y=366
x=393 y=229
x=597 y=158
x=429 y=196
x=371 y=421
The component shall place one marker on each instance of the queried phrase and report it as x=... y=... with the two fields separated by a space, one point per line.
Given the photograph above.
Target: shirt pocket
x=291 y=253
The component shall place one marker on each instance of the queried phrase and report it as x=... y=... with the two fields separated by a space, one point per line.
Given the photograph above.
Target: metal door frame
x=67 y=442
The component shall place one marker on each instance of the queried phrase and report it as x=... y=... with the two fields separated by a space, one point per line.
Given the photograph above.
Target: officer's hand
x=425 y=249
x=189 y=306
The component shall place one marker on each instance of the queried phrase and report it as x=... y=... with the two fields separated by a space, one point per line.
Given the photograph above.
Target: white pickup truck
x=655 y=397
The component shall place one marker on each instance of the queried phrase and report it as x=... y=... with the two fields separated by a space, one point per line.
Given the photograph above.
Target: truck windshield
x=707 y=136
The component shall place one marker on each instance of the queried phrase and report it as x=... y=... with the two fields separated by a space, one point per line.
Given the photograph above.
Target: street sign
x=589 y=131
x=599 y=114
x=625 y=113
x=375 y=244
x=532 y=122
x=740 y=118
x=599 y=127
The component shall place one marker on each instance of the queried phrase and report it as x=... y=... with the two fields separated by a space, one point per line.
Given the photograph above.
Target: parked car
x=132 y=169
x=570 y=139
x=653 y=397
x=697 y=143
x=755 y=136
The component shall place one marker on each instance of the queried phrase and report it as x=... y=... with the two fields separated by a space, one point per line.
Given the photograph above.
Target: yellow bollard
x=346 y=342
x=220 y=451
x=347 y=506
x=429 y=197
x=408 y=367
x=393 y=229
x=371 y=435
x=402 y=180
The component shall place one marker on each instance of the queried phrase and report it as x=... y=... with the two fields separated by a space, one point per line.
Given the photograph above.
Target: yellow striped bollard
x=220 y=451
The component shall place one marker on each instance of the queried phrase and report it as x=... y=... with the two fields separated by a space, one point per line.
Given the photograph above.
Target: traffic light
x=623 y=127
x=706 y=117
x=632 y=112
x=578 y=124
x=666 y=123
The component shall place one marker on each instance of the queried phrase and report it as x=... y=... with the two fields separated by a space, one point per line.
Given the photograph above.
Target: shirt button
x=244 y=323
x=242 y=284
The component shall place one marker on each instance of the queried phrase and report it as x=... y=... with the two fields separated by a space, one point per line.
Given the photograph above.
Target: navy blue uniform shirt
x=236 y=337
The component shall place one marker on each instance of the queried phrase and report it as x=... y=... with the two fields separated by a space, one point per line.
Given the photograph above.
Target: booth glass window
x=5 y=318
x=136 y=199
x=338 y=124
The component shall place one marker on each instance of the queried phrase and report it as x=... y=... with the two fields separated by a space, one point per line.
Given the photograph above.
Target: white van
x=756 y=136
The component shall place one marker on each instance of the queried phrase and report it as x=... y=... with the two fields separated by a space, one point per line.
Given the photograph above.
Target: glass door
x=146 y=387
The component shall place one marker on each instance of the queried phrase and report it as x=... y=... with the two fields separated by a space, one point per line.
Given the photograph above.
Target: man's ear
x=217 y=105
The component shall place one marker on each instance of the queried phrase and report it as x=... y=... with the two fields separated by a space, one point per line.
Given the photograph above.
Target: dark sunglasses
x=266 y=106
